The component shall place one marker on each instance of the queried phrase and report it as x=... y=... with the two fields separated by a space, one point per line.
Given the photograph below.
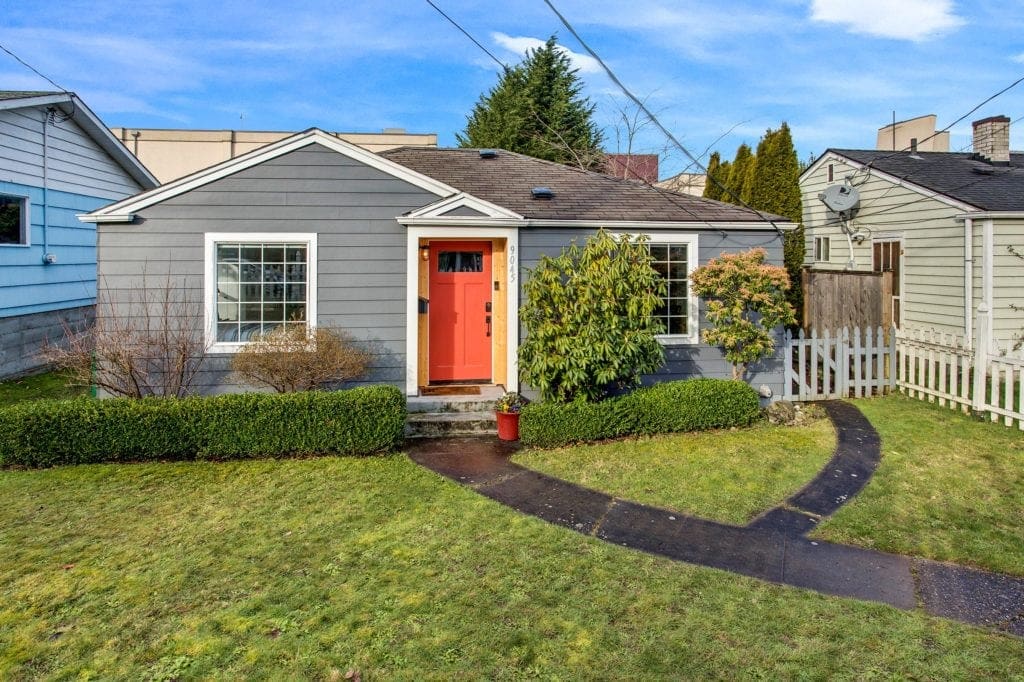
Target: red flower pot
x=508 y=425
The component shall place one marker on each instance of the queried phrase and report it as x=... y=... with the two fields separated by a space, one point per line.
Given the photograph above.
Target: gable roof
x=123 y=211
x=508 y=179
x=961 y=176
x=73 y=107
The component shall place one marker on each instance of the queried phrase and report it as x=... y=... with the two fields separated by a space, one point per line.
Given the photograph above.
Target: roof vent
x=984 y=170
x=542 y=193
x=488 y=153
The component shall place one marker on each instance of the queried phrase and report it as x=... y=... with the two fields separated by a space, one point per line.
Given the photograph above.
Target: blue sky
x=717 y=73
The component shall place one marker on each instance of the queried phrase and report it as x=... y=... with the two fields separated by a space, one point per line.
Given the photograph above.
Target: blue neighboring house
x=57 y=160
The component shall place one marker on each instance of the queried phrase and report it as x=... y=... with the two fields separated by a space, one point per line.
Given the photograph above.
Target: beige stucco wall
x=685 y=183
x=921 y=128
x=171 y=154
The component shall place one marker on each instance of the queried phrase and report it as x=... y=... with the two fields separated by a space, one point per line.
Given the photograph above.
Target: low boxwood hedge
x=690 y=405
x=359 y=421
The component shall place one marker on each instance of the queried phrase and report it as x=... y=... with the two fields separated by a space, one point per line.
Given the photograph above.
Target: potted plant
x=507 y=409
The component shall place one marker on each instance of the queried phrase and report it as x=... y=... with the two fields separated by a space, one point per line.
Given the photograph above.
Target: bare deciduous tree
x=290 y=358
x=151 y=344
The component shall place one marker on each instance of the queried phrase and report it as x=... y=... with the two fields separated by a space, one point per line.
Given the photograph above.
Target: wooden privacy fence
x=847 y=363
x=834 y=299
x=923 y=364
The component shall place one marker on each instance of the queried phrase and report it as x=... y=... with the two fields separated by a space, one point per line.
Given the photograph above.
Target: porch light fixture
x=425 y=252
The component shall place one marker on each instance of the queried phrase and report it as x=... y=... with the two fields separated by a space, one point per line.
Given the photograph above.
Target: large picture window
x=674 y=257
x=258 y=283
x=14 y=224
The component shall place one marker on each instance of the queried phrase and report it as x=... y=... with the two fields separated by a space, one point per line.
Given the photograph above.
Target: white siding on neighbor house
x=933 y=239
x=76 y=163
x=350 y=206
x=1008 y=282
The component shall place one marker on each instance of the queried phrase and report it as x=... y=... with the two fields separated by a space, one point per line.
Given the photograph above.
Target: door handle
x=488 y=320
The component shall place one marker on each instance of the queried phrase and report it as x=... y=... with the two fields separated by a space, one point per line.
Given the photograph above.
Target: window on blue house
x=14 y=225
x=674 y=257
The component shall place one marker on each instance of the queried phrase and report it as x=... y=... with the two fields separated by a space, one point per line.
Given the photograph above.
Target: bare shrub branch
x=290 y=358
x=150 y=345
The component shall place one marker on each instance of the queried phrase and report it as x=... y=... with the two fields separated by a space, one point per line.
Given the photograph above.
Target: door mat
x=450 y=390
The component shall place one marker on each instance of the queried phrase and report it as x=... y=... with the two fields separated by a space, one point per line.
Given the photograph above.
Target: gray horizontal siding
x=682 y=361
x=352 y=209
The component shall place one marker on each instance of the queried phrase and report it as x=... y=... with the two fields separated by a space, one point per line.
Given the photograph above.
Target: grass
x=729 y=476
x=304 y=569
x=949 y=487
x=39 y=387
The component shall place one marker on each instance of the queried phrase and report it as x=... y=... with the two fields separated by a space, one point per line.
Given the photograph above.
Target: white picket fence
x=847 y=363
x=923 y=364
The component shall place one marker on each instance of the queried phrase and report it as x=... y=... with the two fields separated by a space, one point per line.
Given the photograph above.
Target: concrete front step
x=447 y=404
x=444 y=424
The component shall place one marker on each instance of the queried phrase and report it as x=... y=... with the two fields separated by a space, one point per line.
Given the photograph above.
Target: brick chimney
x=992 y=139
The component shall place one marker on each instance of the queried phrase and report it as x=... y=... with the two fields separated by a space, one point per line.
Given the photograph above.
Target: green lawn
x=729 y=476
x=38 y=387
x=303 y=569
x=949 y=487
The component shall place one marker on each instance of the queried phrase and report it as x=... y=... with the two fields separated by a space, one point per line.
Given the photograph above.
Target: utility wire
x=640 y=105
x=671 y=196
x=36 y=71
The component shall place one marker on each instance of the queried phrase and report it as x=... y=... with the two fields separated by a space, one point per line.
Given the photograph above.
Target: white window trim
x=818 y=241
x=692 y=256
x=26 y=221
x=210 y=284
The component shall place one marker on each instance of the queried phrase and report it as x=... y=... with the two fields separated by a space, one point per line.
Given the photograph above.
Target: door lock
x=488 y=320
x=487 y=307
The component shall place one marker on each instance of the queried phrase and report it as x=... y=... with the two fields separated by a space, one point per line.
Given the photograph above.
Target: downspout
x=968 y=281
x=46 y=221
x=989 y=240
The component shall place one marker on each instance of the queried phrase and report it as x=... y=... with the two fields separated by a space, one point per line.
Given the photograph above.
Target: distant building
x=640 y=167
x=685 y=183
x=915 y=134
x=171 y=154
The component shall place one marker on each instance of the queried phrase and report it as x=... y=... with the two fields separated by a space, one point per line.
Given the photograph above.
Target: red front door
x=459 y=313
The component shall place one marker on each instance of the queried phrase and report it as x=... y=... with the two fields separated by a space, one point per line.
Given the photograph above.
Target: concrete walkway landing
x=772 y=547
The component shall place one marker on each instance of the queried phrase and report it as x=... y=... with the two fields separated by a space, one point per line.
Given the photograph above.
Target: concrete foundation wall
x=22 y=337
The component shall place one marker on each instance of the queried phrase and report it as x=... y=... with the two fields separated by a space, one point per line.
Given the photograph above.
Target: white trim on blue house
x=26 y=220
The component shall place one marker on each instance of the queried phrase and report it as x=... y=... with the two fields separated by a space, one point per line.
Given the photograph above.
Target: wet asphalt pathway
x=772 y=547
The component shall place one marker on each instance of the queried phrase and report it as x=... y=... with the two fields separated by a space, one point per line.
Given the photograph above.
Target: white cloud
x=1019 y=58
x=520 y=44
x=914 y=20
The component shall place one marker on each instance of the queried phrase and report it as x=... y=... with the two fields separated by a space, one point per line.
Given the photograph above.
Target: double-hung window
x=822 y=249
x=674 y=257
x=256 y=283
x=14 y=223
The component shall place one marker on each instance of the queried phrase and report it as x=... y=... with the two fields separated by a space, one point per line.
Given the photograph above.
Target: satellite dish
x=840 y=198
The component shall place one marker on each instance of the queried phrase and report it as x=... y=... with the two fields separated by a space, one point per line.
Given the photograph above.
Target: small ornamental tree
x=589 y=319
x=745 y=299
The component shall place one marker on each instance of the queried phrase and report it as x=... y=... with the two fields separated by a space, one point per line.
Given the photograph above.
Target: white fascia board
x=36 y=101
x=463 y=200
x=112 y=218
x=900 y=182
x=460 y=221
x=271 y=151
x=1005 y=215
x=629 y=225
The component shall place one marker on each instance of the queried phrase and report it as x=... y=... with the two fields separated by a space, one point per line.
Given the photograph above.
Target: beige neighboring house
x=943 y=223
x=685 y=183
x=913 y=134
x=171 y=154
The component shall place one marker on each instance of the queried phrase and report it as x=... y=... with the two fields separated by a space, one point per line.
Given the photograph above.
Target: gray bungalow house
x=417 y=252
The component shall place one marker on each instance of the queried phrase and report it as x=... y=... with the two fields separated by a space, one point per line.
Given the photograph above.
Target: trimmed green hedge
x=691 y=405
x=46 y=433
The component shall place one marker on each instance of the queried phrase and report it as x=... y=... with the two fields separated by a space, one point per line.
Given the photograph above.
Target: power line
x=36 y=71
x=467 y=34
x=639 y=104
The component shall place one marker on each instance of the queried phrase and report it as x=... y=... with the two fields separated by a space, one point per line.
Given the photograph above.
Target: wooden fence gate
x=848 y=364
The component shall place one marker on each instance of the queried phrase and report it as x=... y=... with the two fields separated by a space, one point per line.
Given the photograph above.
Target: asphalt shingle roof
x=22 y=94
x=508 y=179
x=958 y=175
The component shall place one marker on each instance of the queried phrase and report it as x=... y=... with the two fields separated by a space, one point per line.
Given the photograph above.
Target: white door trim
x=412 y=264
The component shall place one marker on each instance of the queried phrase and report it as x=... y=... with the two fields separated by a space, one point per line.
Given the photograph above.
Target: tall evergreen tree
x=715 y=177
x=537 y=109
x=775 y=188
x=738 y=182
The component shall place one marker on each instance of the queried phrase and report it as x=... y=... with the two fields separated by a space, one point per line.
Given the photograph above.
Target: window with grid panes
x=671 y=261
x=260 y=286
